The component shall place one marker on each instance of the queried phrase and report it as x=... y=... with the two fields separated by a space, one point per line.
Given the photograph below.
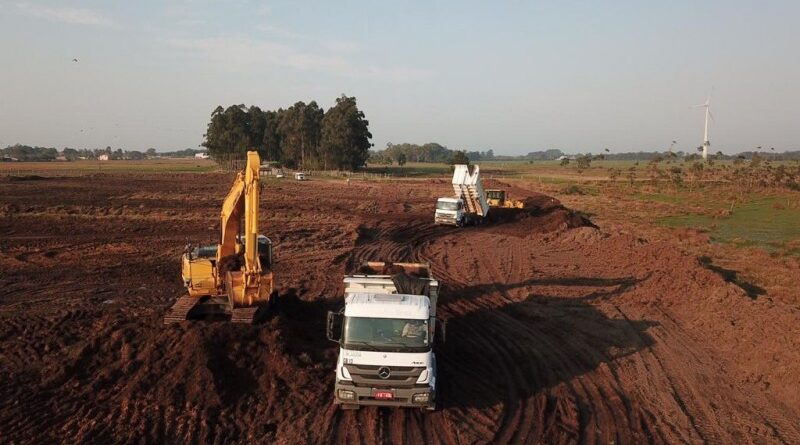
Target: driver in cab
x=414 y=329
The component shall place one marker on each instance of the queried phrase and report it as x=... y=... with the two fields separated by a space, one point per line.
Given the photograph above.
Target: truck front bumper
x=419 y=397
x=448 y=220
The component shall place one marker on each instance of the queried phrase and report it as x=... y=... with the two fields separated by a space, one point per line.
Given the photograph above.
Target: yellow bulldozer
x=499 y=199
x=234 y=277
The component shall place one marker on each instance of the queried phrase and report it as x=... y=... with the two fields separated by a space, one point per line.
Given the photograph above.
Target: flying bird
x=74 y=60
x=608 y=151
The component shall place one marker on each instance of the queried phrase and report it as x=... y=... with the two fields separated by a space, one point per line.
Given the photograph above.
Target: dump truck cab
x=450 y=211
x=386 y=341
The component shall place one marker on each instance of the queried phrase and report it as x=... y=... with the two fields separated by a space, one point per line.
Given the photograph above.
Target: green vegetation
x=765 y=222
x=303 y=135
x=25 y=153
x=411 y=169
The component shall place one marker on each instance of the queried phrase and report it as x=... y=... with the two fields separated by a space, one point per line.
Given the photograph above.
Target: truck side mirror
x=335 y=326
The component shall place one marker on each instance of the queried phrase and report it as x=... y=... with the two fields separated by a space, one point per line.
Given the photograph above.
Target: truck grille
x=370 y=375
x=442 y=219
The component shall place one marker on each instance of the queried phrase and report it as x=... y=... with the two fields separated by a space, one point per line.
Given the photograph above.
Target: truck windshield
x=385 y=334
x=444 y=205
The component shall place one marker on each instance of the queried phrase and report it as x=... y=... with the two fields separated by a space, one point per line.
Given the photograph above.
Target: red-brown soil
x=557 y=331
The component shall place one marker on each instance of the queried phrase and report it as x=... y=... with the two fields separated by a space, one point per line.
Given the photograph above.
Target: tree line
x=437 y=153
x=26 y=153
x=301 y=136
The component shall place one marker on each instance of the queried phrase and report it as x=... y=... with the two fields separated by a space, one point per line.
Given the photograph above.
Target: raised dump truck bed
x=468 y=187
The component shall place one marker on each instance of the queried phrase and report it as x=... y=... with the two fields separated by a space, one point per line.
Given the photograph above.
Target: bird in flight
x=74 y=60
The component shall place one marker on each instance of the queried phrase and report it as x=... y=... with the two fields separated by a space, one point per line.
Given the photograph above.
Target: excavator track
x=180 y=310
x=245 y=315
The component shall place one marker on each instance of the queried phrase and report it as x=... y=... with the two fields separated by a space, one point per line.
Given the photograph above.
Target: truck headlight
x=346 y=394
x=422 y=397
x=423 y=376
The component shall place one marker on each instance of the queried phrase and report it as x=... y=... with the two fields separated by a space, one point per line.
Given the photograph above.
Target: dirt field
x=558 y=332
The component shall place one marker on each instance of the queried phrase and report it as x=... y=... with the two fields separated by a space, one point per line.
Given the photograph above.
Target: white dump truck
x=469 y=205
x=386 y=334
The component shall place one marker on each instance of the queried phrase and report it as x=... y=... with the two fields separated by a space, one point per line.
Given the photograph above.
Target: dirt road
x=557 y=331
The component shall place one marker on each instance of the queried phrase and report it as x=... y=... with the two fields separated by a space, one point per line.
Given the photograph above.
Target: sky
x=512 y=76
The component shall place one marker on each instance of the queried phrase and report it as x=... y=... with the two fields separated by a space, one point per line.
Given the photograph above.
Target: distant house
x=201 y=155
x=102 y=158
x=8 y=159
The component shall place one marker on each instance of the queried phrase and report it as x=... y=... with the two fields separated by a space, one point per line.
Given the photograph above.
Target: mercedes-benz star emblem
x=384 y=372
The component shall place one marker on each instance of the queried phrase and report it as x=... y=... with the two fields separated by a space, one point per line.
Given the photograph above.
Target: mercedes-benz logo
x=384 y=372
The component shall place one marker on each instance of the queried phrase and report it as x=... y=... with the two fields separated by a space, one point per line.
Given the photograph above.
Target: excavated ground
x=557 y=331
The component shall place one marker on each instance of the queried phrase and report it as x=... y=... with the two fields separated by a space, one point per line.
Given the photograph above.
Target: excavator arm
x=248 y=285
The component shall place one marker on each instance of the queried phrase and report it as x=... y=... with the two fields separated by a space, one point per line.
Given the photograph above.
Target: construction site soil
x=558 y=332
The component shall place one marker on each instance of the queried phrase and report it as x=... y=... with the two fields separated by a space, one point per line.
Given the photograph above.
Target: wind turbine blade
x=711 y=116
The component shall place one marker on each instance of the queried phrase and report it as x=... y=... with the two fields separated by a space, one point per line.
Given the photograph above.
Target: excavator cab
x=198 y=270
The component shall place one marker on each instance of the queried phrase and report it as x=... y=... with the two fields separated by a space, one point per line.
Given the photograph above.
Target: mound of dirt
x=541 y=214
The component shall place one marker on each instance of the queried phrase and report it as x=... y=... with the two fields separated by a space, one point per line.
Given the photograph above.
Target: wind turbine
x=706 y=142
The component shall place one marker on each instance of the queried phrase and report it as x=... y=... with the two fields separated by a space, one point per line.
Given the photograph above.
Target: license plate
x=383 y=395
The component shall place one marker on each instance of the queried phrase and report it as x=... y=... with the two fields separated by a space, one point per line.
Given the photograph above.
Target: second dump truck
x=386 y=333
x=469 y=205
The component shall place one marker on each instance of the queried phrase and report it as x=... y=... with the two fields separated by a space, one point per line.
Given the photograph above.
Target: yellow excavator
x=499 y=198
x=232 y=278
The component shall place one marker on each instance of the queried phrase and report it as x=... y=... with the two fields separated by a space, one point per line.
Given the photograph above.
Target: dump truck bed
x=469 y=188
x=384 y=278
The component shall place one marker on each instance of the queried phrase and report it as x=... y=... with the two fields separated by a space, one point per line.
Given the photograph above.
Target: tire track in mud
x=553 y=393
x=554 y=337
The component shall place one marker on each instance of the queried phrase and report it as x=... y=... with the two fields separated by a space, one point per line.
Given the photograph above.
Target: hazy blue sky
x=511 y=76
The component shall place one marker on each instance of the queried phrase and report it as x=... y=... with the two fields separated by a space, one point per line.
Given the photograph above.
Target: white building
x=102 y=158
x=201 y=155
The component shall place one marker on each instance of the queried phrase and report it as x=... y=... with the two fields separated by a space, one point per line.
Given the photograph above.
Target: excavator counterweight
x=234 y=277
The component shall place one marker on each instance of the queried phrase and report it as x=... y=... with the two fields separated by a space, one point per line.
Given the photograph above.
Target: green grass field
x=766 y=222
